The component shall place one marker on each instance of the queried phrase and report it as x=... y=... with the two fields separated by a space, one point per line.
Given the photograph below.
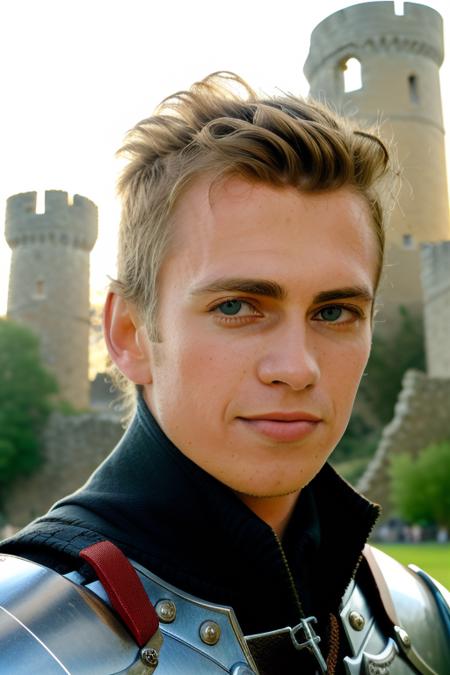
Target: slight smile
x=284 y=427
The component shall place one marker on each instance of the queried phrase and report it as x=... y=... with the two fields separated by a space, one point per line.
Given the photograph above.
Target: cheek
x=200 y=368
x=347 y=369
x=210 y=352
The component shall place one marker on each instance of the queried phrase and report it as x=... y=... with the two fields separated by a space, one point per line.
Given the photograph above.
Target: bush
x=359 y=440
x=420 y=487
x=26 y=390
x=353 y=469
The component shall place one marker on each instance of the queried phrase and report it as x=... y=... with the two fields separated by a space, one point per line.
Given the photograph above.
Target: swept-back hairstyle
x=221 y=128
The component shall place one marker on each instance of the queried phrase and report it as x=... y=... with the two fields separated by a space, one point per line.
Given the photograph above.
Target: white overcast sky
x=76 y=74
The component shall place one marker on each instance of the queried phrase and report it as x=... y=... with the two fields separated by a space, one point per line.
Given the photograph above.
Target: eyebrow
x=271 y=289
x=356 y=292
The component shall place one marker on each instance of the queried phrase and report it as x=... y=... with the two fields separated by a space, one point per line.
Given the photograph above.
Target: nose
x=289 y=357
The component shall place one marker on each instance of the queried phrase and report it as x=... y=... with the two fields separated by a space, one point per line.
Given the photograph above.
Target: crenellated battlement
x=73 y=224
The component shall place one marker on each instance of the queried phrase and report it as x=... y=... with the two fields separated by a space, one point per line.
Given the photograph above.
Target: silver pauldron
x=415 y=618
x=50 y=625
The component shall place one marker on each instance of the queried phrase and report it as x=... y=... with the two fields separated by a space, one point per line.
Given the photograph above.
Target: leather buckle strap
x=124 y=589
x=311 y=642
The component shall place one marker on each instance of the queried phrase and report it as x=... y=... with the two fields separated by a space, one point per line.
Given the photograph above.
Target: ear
x=126 y=339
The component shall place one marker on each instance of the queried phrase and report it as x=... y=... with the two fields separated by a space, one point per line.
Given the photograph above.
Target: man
x=250 y=252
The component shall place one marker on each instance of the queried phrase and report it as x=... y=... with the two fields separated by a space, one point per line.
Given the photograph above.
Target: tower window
x=408 y=241
x=399 y=8
x=351 y=69
x=40 y=290
x=413 y=89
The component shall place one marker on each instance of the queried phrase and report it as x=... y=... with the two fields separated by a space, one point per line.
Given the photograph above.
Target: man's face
x=264 y=316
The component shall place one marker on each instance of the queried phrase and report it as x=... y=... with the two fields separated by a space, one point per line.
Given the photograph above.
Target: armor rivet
x=356 y=620
x=404 y=637
x=166 y=611
x=210 y=632
x=149 y=656
x=241 y=669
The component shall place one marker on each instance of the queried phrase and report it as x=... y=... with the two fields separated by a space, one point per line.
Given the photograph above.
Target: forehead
x=242 y=228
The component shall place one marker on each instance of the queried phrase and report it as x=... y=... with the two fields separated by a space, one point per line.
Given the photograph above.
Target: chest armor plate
x=50 y=624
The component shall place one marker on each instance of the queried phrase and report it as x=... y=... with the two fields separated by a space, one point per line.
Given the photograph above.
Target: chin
x=269 y=488
x=269 y=494
x=296 y=480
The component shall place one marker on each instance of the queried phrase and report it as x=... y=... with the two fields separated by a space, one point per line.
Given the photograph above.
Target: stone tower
x=399 y=58
x=436 y=291
x=49 y=281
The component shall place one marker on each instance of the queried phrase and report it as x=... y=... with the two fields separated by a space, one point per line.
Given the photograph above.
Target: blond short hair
x=221 y=128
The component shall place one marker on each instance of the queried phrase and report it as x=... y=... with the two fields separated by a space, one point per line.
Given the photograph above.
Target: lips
x=283 y=426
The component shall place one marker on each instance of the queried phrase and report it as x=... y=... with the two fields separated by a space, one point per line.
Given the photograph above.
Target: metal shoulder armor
x=407 y=631
x=53 y=624
x=50 y=625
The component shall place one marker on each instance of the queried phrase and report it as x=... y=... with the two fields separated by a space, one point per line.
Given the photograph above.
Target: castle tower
x=436 y=290
x=49 y=282
x=399 y=58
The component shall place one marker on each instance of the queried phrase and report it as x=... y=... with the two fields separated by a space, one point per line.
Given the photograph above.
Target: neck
x=274 y=511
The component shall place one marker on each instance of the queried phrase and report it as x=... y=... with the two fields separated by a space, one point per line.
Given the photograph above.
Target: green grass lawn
x=432 y=558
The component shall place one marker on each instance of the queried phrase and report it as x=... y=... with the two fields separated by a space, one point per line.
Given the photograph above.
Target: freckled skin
x=211 y=372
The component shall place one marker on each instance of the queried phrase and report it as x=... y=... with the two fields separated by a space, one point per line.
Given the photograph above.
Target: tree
x=420 y=487
x=359 y=440
x=26 y=390
x=392 y=355
x=390 y=358
x=357 y=445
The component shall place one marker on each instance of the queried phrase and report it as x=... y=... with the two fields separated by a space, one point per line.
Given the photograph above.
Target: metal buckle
x=311 y=642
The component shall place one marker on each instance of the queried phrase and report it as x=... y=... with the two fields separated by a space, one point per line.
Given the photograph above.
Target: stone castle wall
x=436 y=291
x=73 y=447
x=49 y=282
x=422 y=417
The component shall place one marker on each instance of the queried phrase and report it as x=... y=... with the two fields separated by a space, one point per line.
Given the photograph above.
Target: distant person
x=442 y=535
x=251 y=247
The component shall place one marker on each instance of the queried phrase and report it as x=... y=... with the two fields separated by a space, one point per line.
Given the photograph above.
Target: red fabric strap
x=124 y=589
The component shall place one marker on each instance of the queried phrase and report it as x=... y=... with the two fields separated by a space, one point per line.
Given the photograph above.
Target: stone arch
x=351 y=70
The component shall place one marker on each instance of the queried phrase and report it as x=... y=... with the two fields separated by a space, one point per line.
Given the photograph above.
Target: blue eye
x=331 y=313
x=230 y=307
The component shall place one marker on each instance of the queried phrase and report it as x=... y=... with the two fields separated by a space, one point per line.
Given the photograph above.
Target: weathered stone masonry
x=422 y=417
x=436 y=291
x=73 y=447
